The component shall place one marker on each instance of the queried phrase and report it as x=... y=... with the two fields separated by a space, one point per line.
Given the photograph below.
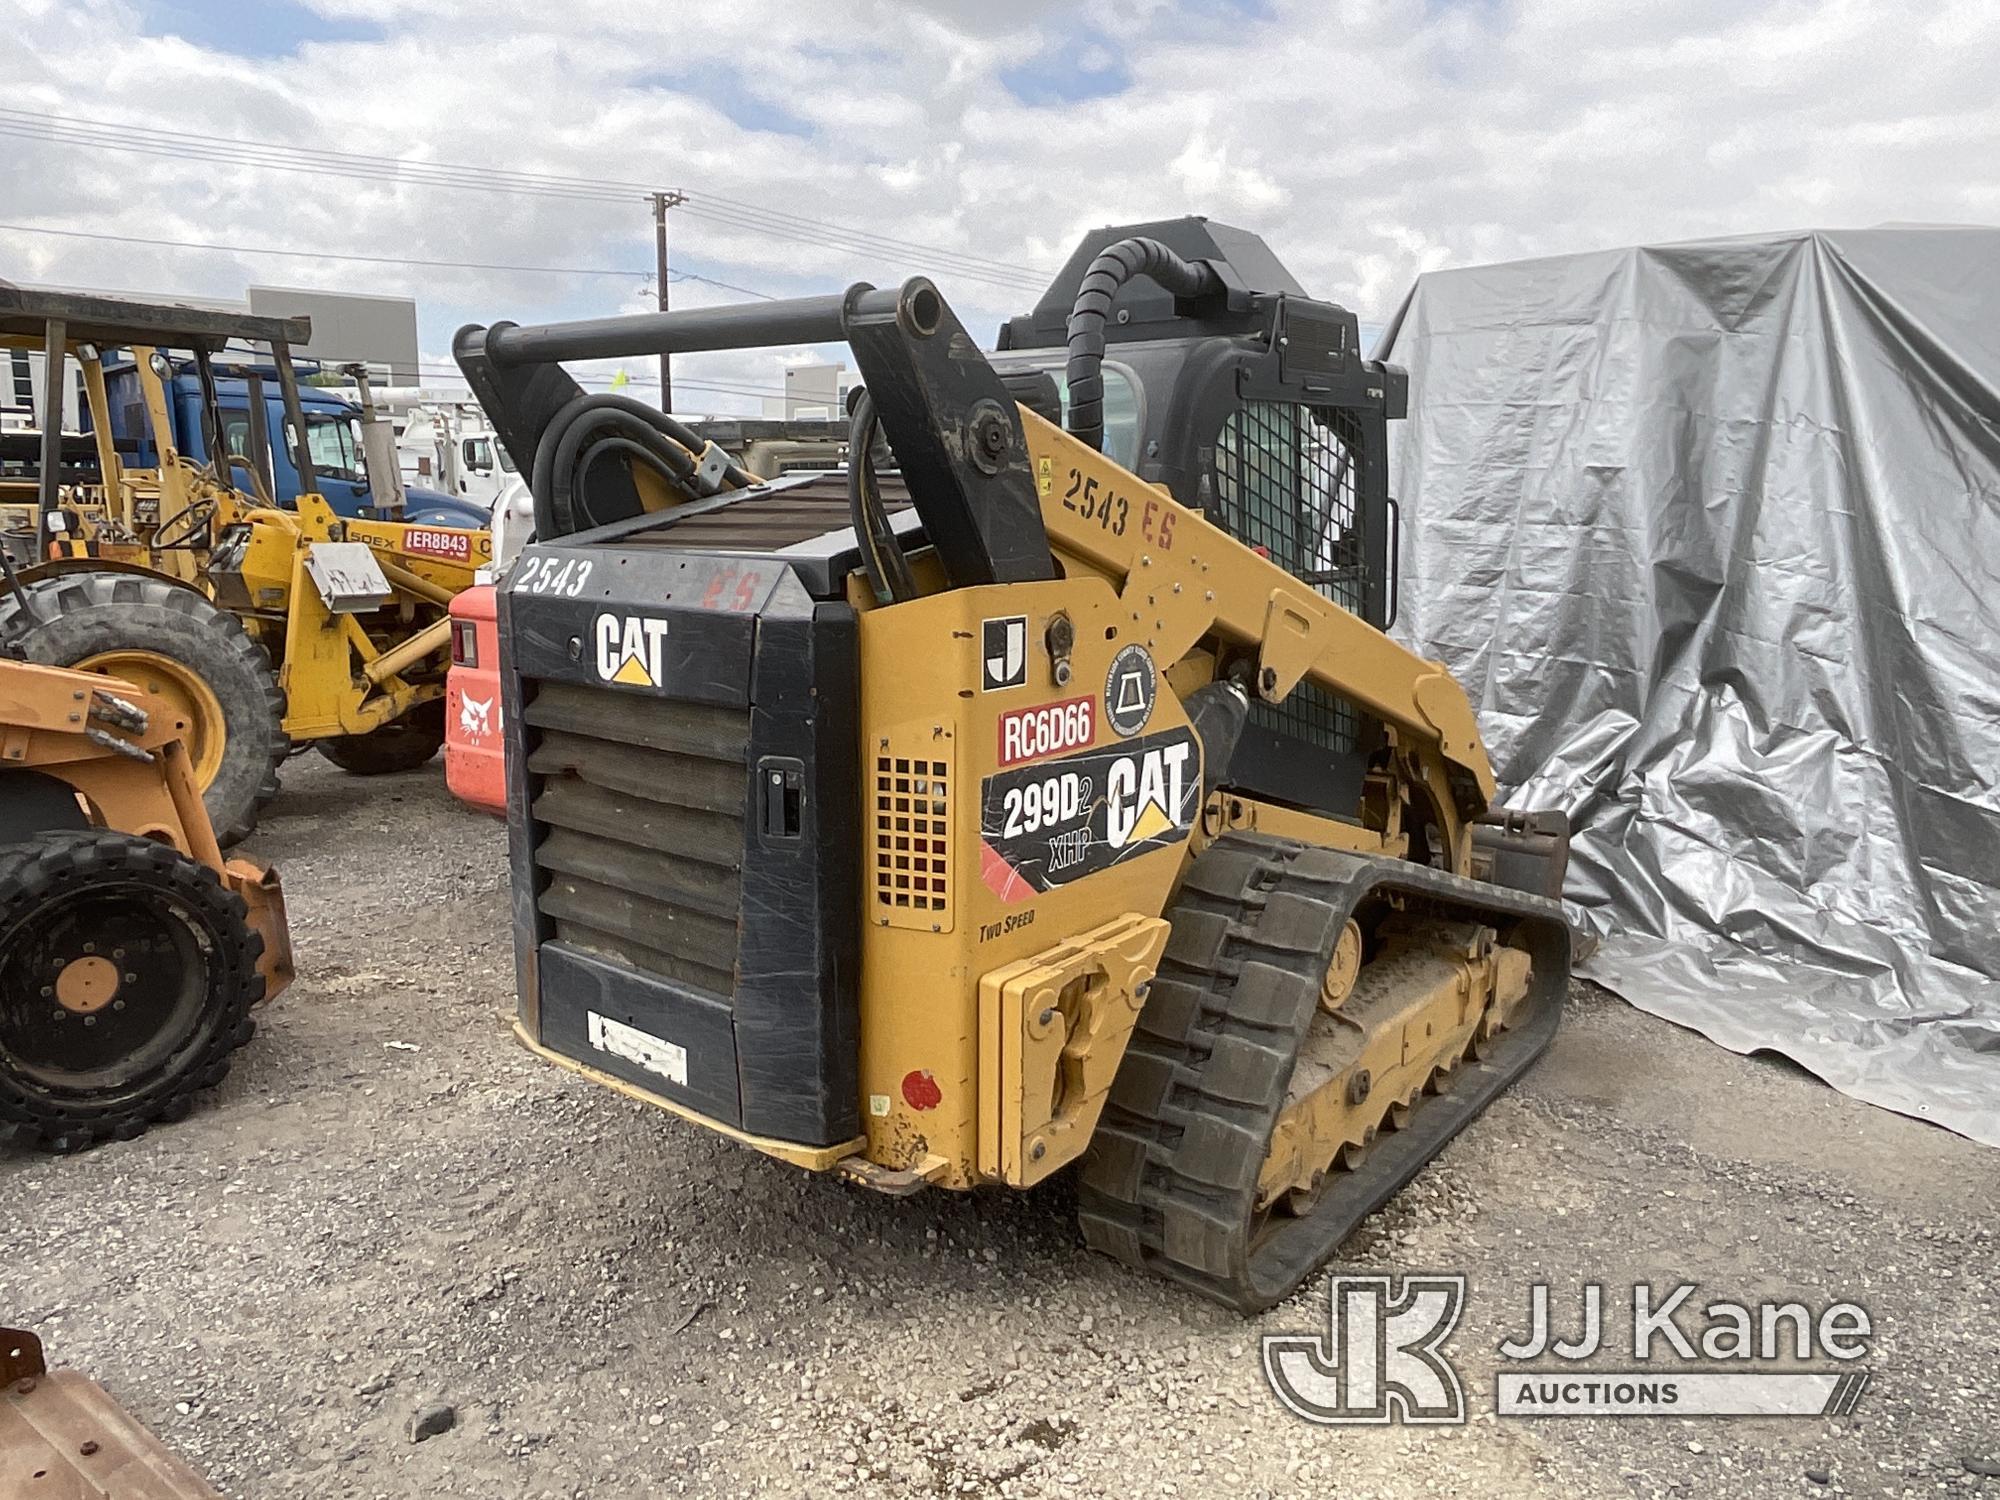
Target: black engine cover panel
x=694 y=926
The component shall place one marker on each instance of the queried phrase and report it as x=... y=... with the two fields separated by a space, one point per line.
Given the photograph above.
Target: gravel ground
x=389 y=1204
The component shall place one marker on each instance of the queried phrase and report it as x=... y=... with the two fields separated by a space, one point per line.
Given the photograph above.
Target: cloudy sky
x=823 y=143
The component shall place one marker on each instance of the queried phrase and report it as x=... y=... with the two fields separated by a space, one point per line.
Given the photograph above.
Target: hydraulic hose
x=591 y=427
x=1114 y=266
x=882 y=556
x=9 y=647
x=257 y=489
x=569 y=500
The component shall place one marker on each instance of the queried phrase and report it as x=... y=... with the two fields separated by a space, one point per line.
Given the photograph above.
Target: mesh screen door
x=1287 y=480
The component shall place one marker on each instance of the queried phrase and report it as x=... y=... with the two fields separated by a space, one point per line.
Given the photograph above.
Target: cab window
x=1123 y=406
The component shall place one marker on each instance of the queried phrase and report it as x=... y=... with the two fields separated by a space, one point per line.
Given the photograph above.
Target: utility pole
x=661 y=203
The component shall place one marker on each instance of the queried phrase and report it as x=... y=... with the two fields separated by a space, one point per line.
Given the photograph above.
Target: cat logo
x=628 y=649
x=1053 y=822
x=1144 y=794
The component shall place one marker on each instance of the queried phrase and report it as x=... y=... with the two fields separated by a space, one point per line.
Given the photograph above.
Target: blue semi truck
x=333 y=436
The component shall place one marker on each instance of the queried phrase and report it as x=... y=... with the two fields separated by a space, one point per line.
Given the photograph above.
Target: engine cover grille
x=912 y=854
x=643 y=799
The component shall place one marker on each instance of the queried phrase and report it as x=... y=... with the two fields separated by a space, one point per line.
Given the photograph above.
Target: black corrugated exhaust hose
x=592 y=426
x=882 y=556
x=1115 y=265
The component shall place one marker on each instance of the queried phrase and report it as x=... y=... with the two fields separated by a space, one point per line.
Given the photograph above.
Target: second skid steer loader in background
x=1051 y=796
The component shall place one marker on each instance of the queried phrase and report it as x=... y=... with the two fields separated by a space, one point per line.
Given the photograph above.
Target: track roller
x=1261 y=972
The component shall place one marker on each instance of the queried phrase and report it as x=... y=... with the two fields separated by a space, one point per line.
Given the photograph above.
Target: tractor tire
x=127 y=973
x=170 y=638
x=404 y=745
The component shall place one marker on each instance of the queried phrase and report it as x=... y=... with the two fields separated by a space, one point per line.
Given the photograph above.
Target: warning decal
x=1045 y=825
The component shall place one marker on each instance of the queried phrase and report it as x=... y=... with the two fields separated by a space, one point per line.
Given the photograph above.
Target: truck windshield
x=334 y=449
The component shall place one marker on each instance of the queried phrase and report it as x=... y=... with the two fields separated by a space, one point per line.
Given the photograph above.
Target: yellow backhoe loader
x=268 y=626
x=1050 y=796
x=131 y=951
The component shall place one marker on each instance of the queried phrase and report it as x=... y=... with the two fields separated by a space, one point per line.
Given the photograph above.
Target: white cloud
x=1367 y=139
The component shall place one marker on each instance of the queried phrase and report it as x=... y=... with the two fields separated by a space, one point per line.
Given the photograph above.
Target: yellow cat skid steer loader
x=1053 y=797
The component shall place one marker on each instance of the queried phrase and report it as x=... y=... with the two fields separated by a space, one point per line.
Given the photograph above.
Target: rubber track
x=1170 y=1182
x=43 y=868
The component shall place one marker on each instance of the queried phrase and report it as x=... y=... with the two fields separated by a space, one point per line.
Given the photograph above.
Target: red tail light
x=464 y=644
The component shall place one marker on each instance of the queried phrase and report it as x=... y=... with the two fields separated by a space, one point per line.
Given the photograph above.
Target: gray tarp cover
x=1711 y=534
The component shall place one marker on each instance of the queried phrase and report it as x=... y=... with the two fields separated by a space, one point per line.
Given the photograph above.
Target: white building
x=810 y=391
x=347 y=327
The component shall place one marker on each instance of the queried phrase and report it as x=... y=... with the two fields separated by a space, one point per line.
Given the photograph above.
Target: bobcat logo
x=475 y=716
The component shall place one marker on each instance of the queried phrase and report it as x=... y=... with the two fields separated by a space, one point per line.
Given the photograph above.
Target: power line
x=175 y=144
x=699 y=208
x=727 y=388
x=737 y=205
x=30 y=125
x=289 y=160
x=677 y=277
x=379 y=260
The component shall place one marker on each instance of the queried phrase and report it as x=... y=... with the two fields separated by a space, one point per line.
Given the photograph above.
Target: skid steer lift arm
x=955 y=431
x=1180 y=579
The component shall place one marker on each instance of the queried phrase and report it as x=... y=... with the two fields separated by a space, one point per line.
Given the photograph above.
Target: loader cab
x=1125 y=404
x=1257 y=408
